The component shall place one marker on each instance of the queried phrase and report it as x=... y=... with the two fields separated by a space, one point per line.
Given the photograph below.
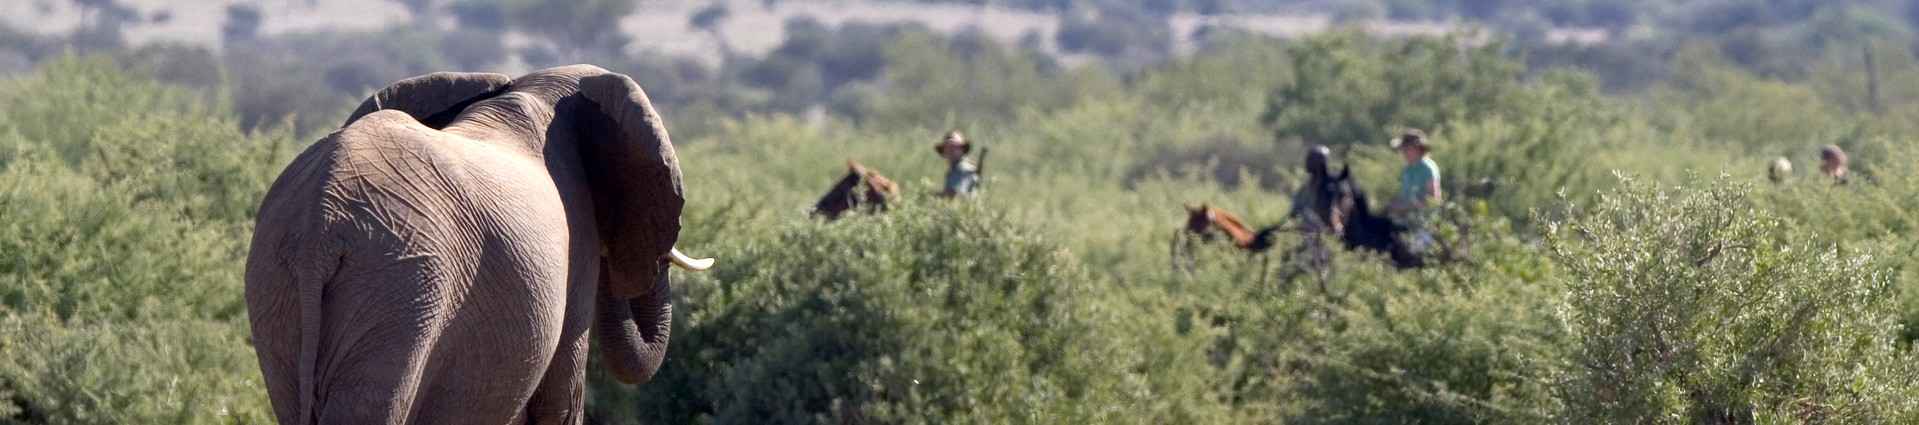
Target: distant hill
x=751 y=27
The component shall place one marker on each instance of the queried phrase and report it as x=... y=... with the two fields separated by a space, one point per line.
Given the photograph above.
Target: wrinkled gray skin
x=440 y=259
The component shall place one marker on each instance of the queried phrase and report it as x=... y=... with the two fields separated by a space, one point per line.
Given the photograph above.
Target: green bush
x=928 y=83
x=1460 y=352
x=927 y=315
x=126 y=217
x=1347 y=89
x=71 y=98
x=1689 y=305
x=150 y=372
x=125 y=209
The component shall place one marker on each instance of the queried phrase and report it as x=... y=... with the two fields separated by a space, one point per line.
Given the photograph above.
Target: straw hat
x=1412 y=137
x=1781 y=168
x=953 y=138
x=1832 y=153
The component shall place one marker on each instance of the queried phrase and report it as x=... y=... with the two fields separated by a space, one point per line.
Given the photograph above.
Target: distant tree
x=1484 y=9
x=422 y=11
x=1117 y=32
x=1357 y=11
x=1854 y=25
x=472 y=49
x=1211 y=7
x=242 y=24
x=487 y=15
x=1614 y=16
x=708 y=20
x=1408 y=10
x=1032 y=40
x=185 y=64
x=1349 y=89
x=576 y=26
x=1160 y=7
x=539 y=56
x=106 y=11
x=100 y=24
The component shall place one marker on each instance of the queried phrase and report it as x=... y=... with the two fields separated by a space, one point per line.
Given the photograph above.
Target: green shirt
x=1416 y=182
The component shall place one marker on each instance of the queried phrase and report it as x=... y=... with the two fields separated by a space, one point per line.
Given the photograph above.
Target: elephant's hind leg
x=561 y=396
x=376 y=349
x=283 y=308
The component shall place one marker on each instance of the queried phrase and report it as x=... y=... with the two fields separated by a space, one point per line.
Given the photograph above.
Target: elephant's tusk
x=690 y=264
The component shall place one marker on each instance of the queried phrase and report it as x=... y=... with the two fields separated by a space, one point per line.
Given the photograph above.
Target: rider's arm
x=1432 y=188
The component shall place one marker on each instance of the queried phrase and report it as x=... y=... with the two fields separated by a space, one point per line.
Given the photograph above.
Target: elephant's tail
x=312 y=288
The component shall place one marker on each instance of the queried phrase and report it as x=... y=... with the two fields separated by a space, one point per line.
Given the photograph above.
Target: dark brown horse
x=862 y=188
x=1365 y=230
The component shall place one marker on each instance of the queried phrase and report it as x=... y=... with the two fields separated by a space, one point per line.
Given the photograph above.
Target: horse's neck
x=1365 y=228
x=1230 y=224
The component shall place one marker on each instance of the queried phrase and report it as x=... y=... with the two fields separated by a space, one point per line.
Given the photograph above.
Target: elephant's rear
x=332 y=230
x=289 y=259
x=359 y=265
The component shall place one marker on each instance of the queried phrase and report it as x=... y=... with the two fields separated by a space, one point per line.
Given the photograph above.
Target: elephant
x=441 y=257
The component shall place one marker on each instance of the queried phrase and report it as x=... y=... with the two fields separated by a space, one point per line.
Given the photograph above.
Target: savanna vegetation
x=1629 y=261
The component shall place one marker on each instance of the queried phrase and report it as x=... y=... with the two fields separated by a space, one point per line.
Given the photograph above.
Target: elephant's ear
x=637 y=197
x=433 y=99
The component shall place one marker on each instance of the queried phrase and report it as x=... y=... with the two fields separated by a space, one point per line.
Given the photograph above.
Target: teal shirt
x=1415 y=181
x=1415 y=186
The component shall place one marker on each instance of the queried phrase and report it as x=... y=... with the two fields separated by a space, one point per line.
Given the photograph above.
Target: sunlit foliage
x=128 y=183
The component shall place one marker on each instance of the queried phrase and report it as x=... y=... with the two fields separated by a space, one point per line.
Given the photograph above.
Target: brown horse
x=1205 y=223
x=862 y=188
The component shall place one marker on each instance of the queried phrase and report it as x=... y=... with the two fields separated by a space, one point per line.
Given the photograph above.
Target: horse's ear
x=1345 y=172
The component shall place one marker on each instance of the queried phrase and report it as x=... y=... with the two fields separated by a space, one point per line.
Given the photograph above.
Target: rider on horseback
x=1313 y=202
x=1419 y=192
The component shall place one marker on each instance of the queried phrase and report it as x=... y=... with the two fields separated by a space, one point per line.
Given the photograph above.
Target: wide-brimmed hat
x=1832 y=153
x=953 y=138
x=1412 y=137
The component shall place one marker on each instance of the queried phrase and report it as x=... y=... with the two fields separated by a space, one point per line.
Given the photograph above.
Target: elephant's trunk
x=633 y=333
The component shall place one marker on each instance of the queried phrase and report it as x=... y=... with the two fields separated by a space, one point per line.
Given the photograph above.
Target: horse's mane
x=879 y=184
x=1364 y=229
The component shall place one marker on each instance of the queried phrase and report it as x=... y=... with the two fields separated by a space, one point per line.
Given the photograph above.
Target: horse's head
x=1343 y=197
x=880 y=191
x=841 y=196
x=1199 y=219
x=1363 y=229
